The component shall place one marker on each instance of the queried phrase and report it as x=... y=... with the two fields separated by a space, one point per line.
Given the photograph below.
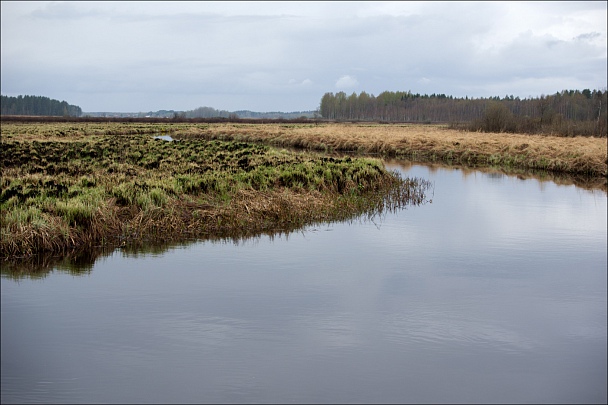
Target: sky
x=284 y=56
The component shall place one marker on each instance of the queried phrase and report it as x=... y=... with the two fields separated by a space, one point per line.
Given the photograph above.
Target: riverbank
x=66 y=189
x=72 y=184
x=586 y=156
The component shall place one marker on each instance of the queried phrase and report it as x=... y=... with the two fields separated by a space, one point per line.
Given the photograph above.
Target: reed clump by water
x=83 y=189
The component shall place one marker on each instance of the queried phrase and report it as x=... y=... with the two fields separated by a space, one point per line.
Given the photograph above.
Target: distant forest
x=569 y=112
x=38 y=105
x=209 y=112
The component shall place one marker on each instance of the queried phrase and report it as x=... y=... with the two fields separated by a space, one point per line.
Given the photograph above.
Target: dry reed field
x=576 y=155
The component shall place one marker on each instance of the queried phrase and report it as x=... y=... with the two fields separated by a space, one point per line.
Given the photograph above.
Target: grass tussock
x=85 y=190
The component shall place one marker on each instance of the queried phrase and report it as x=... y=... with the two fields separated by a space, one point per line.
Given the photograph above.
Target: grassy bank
x=577 y=155
x=68 y=187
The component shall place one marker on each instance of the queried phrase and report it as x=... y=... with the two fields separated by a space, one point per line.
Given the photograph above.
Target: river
x=493 y=291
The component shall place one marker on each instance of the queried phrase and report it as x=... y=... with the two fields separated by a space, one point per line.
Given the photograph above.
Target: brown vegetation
x=574 y=155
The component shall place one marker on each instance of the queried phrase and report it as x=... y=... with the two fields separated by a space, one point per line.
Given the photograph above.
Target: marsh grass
x=579 y=156
x=81 y=189
x=429 y=143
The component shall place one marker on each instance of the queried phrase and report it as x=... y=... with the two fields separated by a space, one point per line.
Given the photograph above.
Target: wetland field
x=578 y=156
x=74 y=185
x=68 y=187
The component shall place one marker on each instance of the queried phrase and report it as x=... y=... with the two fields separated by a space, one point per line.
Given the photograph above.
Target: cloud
x=347 y=82
x=286 y=55
x=588 y=36
x=303 y=83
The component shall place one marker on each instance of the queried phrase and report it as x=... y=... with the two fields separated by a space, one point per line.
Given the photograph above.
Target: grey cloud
x=64 y=11
x=257 y=54
x=587 y=36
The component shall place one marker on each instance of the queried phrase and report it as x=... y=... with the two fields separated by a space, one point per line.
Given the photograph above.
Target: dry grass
x=577 y=155
x=77 y=131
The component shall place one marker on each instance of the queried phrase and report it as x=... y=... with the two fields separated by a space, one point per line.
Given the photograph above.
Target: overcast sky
x=283 y=56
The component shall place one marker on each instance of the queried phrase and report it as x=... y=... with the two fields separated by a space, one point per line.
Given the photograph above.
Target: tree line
x=38 y=106
x=569 y=112
x=176 y=119
x=207 y=112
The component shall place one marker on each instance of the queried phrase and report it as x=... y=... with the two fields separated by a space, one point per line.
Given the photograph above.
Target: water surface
x=493 y=292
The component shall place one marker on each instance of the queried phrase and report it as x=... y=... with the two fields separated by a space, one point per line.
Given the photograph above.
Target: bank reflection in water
x=495 y=292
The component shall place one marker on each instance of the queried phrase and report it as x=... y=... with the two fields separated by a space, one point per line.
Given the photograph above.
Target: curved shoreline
x=107 y=190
